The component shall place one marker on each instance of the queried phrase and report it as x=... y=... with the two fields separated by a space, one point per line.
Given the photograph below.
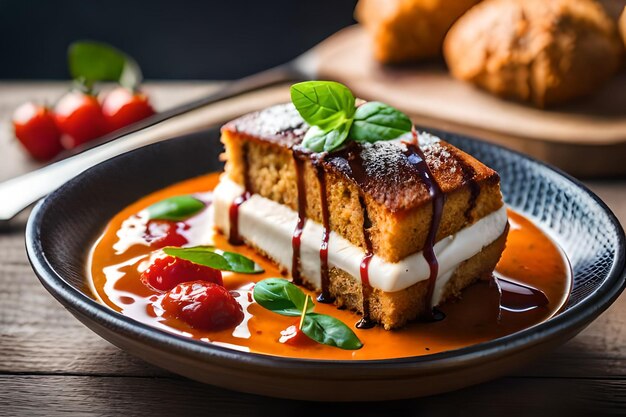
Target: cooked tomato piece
x=203 y=305
x=166 y=273
x=162 y=233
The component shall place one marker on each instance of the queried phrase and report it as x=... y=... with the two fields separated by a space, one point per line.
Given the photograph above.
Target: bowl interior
x=580 y=223
x=76 y=214
x=68 y=221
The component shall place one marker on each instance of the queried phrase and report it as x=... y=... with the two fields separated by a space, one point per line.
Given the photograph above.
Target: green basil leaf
x=216 y=259
x=175 y=208
x=330 y=331
x=90 y=62
x=374 y=121
x=317 y=140
x=325 y=104
x=281 y=296
x=241 y=264
x=314 y=139
x=200 y=256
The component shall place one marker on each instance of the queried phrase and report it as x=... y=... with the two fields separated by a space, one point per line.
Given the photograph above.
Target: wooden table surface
x=50 y=364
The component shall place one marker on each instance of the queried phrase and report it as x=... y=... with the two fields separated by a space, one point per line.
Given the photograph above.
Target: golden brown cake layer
x=398 y=203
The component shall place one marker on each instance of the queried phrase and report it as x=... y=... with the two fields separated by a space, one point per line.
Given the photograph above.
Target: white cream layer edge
x=270 y=225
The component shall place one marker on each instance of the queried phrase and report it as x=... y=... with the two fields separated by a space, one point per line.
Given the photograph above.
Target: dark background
x=171 y=39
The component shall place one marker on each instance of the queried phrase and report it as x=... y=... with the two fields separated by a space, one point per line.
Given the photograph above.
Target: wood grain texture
x=50 y=364
x=115 y=396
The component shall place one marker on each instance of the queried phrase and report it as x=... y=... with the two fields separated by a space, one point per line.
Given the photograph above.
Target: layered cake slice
x=388 y=229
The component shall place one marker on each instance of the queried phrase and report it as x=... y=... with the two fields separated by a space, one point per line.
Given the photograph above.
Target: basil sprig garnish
x=215 y=258
x=374 y=121
x=330 y=110
x=282 y=297
x=175 y=208
x=325 y=104
x=318 y=140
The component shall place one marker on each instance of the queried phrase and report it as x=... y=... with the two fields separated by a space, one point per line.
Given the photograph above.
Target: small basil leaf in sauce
x=374 y=121
x=241 y=264
x=281 y=296
x=216 y=259
x=330 y=331
x=175 y=208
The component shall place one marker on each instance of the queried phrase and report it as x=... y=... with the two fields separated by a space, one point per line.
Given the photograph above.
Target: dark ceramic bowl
x=65 y=224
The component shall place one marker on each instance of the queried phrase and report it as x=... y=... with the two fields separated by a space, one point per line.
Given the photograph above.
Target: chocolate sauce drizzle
x=469 y=175
x=296 y=238
x=366 y=321
x=474 y=193
x=516 y=297
x=234 y=238
x=324 y=296
x=416 y=157
x=358 y=174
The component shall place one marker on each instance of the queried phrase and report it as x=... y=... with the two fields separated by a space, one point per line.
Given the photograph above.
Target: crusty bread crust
x=535 y=50
x=408 y=30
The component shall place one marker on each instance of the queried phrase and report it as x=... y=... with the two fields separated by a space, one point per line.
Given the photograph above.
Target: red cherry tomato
x=162 y=233
x=35 y=128
x=80 y=118
x=203 y=305
x=121 y=107
x=166 y=273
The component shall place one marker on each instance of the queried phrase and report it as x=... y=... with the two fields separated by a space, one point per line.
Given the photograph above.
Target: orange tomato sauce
x=530 y=258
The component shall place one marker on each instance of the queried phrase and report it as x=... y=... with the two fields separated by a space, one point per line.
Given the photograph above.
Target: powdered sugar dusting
x=280 y=124
x=389 y=177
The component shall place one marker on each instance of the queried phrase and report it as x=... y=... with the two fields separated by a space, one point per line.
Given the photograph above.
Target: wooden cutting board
x=586 y=138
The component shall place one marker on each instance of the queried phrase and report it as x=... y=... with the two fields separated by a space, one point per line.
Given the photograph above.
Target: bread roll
x=542 y=51
x=409 y=30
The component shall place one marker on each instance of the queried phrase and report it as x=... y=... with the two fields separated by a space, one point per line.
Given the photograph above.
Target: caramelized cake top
x=387 y=175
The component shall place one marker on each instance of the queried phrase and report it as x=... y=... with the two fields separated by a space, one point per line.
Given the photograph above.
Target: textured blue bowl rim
x=576 y=317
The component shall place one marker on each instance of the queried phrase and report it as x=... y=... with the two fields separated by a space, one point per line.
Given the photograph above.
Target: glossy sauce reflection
x=530 y=259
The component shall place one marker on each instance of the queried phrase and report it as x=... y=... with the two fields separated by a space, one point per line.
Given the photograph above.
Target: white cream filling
x=270 y=225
